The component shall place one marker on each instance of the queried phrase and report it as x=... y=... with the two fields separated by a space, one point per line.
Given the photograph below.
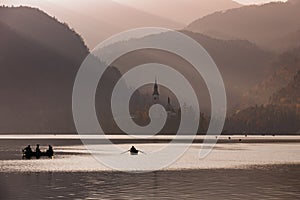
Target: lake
x=233 y=170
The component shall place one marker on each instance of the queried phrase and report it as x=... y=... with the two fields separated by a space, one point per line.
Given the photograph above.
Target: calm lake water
x=231 y=171
x=268 y=182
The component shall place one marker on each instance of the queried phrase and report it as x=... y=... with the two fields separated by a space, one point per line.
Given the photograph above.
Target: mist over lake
x=149 y=99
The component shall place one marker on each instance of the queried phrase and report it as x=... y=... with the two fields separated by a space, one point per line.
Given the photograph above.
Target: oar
x=125 y=151
x=142 y=152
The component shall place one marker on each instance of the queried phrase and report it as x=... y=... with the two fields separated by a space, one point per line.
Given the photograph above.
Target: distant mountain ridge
x=183 y=11
x=266 y=25
x=97 y=20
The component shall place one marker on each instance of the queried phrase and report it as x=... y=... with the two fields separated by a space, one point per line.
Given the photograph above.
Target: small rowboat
x=29 y=155
x=134 y=153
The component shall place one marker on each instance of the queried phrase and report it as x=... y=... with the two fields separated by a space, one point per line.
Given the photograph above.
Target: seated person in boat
x=27 y=152
x=38 y=152
x=133 y=150
x=50 y=151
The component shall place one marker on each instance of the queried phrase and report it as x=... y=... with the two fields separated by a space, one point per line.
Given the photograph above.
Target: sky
x=255 y=1
x=247 y=2
x=251 y=1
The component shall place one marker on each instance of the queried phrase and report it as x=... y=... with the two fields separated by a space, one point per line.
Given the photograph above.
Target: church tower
x=169 y=108
x=155 y=92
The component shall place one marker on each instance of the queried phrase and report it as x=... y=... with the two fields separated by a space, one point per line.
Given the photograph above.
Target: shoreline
x=126 y=139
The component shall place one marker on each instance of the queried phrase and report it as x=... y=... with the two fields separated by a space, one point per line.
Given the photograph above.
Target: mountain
x=286 y=42
x=48 y=32
x=280 y=116
x=289 y=95
x=241 y=63
x=282 y=71
x=97 y=20
x=264 y=119
x=266 y=25
x=39 y=59
x=183 y=11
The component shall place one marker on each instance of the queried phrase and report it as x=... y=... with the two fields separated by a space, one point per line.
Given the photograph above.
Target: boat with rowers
x=28 y=153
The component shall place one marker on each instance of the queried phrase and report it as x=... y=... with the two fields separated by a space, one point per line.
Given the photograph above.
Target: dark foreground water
x=262 y=182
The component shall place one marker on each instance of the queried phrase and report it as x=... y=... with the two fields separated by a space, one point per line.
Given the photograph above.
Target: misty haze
x=202 y=95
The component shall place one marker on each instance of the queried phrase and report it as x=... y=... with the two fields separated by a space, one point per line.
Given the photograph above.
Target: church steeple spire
x=155 y=91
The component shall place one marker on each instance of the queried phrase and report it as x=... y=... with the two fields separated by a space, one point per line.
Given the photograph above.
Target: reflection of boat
x=29 y=155
x=134 y=153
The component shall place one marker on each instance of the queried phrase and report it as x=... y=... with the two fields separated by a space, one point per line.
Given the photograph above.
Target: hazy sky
x=248 y=1
x=255 y=1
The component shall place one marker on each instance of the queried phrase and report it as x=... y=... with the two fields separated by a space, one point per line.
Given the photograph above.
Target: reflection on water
x=269 y=182
x=229 y=172
x=71 y=156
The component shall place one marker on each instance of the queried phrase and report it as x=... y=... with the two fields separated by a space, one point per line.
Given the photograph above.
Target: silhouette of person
x=38 y=151
x=133 y=150
x=50 y=151
x=28 y=149
x=28 y=152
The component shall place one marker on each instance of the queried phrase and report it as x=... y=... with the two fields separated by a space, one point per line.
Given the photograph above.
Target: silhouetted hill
x=265 y=25
x=97 y=20
x=289 y=95
x=281 y=115
x=282 y=70
x=44 y=30
x=39 y=59
x=264 y=119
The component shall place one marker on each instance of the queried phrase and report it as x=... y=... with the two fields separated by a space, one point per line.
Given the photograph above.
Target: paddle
x=125 y=151
x=142 y=152
x=129 y=151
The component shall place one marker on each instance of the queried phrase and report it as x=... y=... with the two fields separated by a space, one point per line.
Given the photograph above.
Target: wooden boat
x=29 y=155
x=133 y=151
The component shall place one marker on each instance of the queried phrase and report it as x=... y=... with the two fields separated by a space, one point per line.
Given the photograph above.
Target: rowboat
x=29 y=155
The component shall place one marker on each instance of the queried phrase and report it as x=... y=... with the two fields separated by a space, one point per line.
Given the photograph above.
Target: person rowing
x=38 y=152
x=50 y=151
x=133 y=151
x=27 y=152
